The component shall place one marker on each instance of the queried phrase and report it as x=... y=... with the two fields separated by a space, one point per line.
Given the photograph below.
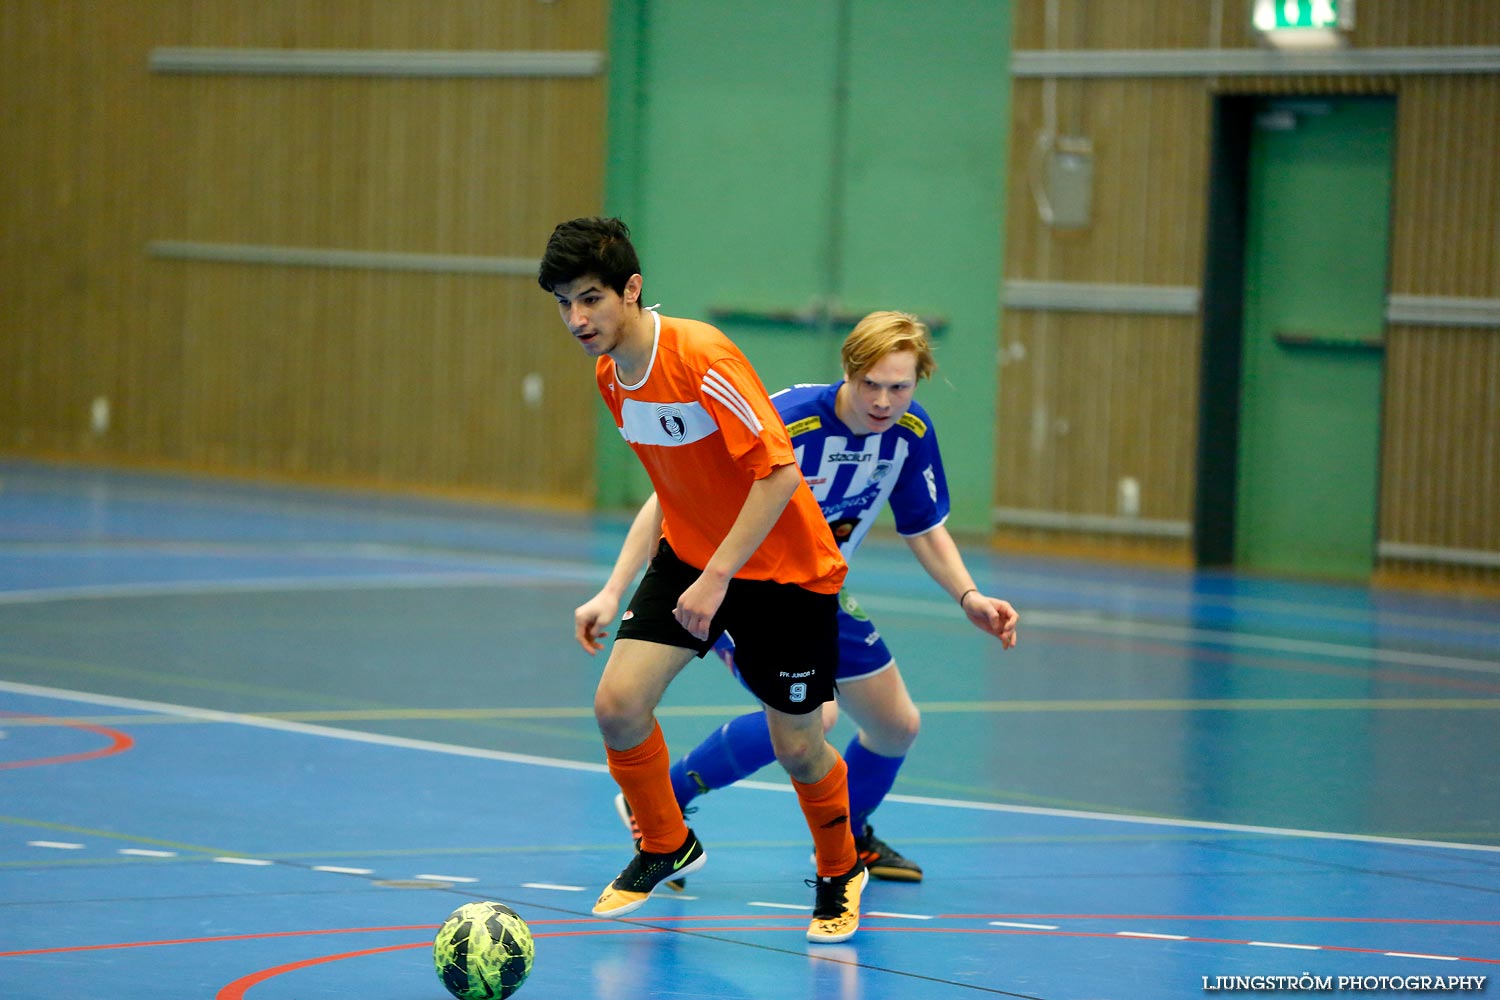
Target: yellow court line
x=722 y=711
x=1219 y=705
x=377 y=715
x=25 y=660
x=125 y=838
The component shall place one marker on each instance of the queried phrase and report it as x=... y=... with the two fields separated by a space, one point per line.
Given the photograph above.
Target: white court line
x=897 y=916
x=1318 y=610
x=1070 y=621
x=378 y=739
x=417 y=579
x=253 y=862
x=445 y=878
x=1183 y=824
x=304 y=728
x=779 y=906
x=552 y=886
x=1154 y=937
x=141 y=852
x=330 y=510
x=561 y=572
x=55 y=845
x=1024 y=927
x=343 y=871
x=1408 y=954
x=1278 y=944
x=335 y=506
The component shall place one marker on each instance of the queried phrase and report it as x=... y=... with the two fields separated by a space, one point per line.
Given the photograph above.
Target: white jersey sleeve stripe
x=919 y=534
x=736 y=404
x=724 y=391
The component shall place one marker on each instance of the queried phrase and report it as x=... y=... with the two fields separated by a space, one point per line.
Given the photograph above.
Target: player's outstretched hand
x=994 y=616
x=590 y=621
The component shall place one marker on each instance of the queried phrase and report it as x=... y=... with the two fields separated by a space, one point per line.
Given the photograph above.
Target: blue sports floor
x=258 y=742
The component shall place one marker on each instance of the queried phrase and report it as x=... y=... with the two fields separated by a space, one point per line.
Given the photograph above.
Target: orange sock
x=644 y=774
x=825 y=803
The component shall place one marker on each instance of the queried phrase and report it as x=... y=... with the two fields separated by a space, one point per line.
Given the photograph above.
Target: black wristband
x=971 y=590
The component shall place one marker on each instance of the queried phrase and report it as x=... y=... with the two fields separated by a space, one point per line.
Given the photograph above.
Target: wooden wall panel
x=1150 y=146
x=1445 y=237
x=446 y=165
x=415 y=378
x=1095 y=398
x=1441 y=476
x=1308 y=84
x=360 y=375
x=1110 y=24
x=1440 y=482
x=75 y=212
x=391 y=24
x=1124 y=387
x=1441 y=429
x=1389 y=23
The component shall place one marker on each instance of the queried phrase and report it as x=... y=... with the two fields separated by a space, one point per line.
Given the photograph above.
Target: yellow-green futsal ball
x=483 y=951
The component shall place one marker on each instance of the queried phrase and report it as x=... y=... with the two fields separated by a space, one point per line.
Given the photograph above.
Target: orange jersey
x=701 y=423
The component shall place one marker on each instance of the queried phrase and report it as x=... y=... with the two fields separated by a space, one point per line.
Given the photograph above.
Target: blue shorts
x=862 y=652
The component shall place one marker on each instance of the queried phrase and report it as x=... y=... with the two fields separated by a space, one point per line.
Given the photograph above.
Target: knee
x=624 y=720
x=893 y=734
x=800 y=753
x=908 y=726
x=830 y=716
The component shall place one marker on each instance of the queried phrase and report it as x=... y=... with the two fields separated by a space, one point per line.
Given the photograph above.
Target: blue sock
x=870 y=778
x=735 y=750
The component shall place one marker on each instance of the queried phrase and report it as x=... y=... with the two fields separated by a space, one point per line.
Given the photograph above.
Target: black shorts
x=786 y=637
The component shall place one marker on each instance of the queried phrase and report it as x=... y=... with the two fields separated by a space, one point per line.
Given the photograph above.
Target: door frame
x=1220 y=388
x=1220 y=357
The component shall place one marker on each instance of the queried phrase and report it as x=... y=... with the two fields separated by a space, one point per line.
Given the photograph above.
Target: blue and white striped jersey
x=854 y=475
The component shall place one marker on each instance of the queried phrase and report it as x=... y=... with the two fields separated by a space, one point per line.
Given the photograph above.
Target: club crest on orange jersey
x=672 y=422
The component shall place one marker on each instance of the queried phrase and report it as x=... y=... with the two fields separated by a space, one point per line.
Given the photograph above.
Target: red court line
x=118 y=742
x=266 y=935
x=237 y=989
x=1185 y=916
x=211 y=940
x=1117 y=937
x=1236 y=657
x=629 y=926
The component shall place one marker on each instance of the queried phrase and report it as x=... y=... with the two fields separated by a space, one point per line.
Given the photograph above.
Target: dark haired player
x=735 y=541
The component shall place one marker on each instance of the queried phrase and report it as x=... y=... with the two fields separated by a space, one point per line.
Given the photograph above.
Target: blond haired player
x=863 y=444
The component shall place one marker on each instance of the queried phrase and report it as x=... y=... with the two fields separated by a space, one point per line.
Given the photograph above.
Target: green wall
x=1315 y=289
x=822 y=158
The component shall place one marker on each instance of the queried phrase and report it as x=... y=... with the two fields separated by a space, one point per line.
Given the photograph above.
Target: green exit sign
x=1300 y=22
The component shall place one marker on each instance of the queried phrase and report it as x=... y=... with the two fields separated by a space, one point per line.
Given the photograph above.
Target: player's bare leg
x=821 y=781
x=633 y=682
x=888 y=722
